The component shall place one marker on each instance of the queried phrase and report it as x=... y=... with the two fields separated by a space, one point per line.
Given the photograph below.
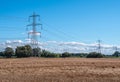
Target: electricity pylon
x=33 y=33
x=99 y=46
x=115 y=48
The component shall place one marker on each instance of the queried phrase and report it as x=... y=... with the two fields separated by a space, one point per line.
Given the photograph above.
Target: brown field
x=59 y=70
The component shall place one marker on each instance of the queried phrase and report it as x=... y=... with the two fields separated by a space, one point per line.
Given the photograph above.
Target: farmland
x=60 y=70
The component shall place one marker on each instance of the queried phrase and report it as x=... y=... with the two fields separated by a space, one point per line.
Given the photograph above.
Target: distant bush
x=95 y=55
x=116 y=54
x=2 y=54
x=49 y=54
x=66 y=54
x=36 y=52
x=8 y=52
x=79 y=54
x=53 y=55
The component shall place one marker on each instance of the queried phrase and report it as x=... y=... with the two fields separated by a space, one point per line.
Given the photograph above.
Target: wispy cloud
x=59 y=47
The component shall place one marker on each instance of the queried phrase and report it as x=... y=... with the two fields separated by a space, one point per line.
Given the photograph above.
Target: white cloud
x=8 y=42
x=80 y=47
x=73 y=44
x=17 y=41
x=56 y=46
x=52 y=42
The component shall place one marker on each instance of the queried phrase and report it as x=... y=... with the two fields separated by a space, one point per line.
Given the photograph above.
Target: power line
x=61 y=33
x=54 y=34
x=13 y=18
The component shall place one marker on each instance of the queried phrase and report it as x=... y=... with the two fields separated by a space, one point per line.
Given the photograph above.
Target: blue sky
x=63 y=20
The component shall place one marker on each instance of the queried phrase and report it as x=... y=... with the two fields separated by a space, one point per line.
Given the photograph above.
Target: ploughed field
x=59 y=70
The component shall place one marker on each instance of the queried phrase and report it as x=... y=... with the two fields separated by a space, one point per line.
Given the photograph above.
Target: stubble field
x=59 y=70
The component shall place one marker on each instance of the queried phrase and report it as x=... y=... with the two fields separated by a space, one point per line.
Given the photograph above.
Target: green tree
x=2 y=54
x=23 y=51
x=116 y=54
x=49 y=54
x=66 y=54
x=37 y=52
x=45 y=53
x=79 y=54
x=95 y=55
x=29 y=50
x=8 y=52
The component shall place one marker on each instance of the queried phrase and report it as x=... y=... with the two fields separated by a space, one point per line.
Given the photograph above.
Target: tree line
x=28 y=51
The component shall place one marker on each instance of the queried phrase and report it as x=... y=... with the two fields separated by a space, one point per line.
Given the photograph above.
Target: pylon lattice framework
x=33 y=34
